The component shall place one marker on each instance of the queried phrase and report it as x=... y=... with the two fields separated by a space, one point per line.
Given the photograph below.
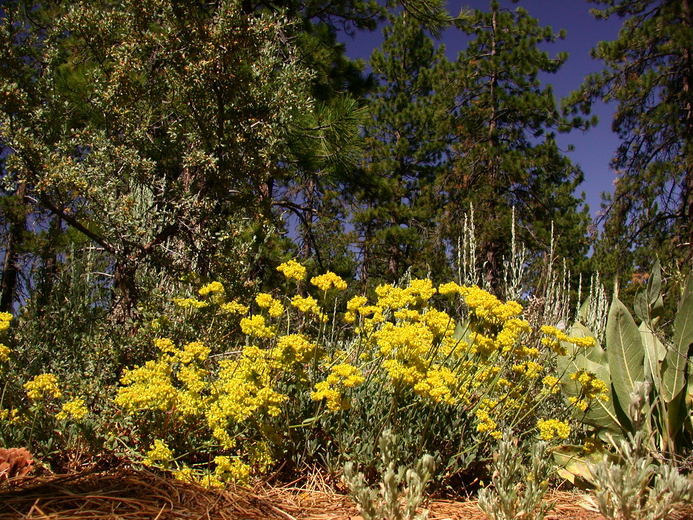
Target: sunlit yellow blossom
x=292 y=270
x=294 y=348
x=211 y=288
x=231 y=469
x=438 y=385
x=159 y=454
x=591 y=387
x=486 y=306
x=356 y=303
x=256 y=326
x=308 y=305
x=393 y=297
x=193 y=351
x=9 y=415
x=556 y=338
x=439 y=323
x=551 y=383
x=342 y=376
x=234 y=307
x=266 y=301
x=326 y=281
x=553 y=429
x=147 y=387
x=189 y=303
x=164 y=344
x=5 y=318
x=449 y=288
x=421 y=290
x=4 y=353
x=530 y=369
x=73 y=409
x=42 y=386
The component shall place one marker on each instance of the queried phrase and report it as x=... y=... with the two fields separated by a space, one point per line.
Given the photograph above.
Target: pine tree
x=152 y=128
x=649 y=75
x=505 y=152
x=395 y=211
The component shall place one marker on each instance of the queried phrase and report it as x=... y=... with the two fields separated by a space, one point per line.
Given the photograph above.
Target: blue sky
x=594 y=148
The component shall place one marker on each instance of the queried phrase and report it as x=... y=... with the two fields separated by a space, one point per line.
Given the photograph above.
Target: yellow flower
x=189 y=303
x=195 y=350
x=158 y=454
x=5 y=319
x=449 y=288
x=42 y=386
x=4 y=353
x=308 y=305
x=234 y=307
x=273 y=306
x=553 y=429
x=9 y=415
x=256 y=326
x=341 y=377
x=73 y=409
x=231 y=470
x=326 y=281
x=165 y=345
x=211 y=288
x=292 y=270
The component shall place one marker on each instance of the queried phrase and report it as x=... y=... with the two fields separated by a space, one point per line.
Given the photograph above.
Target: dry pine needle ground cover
x=127 y=494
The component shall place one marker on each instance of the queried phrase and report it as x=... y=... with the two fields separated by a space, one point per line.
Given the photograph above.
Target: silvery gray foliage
x=401 y=491
x=634 y=486
x=518 y=488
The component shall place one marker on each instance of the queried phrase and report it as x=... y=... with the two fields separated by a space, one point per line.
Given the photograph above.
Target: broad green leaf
x=654 y=355
x=624 y=351
x=654 y=284
x=674 y=365
x=574 y=464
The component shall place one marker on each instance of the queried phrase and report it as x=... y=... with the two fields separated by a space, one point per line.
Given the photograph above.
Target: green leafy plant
x=634 y=354
x=401 y=491
x=518 y=489
x=634 y=486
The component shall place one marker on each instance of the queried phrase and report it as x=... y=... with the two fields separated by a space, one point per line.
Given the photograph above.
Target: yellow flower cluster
x=211 y=288
x=9 y=415
x=234 y=307
x=485 y=424
x=309 y=305
x=43 y=386
x=5 y=319
x=256 y=326
x=341 y=377
x=487 y=365
x=555 y=338
x=483 y=304
x=174 y=381
x=550 y=429
x=293 y=348
x=73 y=409
x=189 y=303
x=4 y=353
x=159 y=454
x=266 y=301
x=327 y=281
x=292 y=270
x=591 y=388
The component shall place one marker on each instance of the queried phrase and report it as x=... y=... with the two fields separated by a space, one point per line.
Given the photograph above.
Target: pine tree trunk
x=10 y=269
